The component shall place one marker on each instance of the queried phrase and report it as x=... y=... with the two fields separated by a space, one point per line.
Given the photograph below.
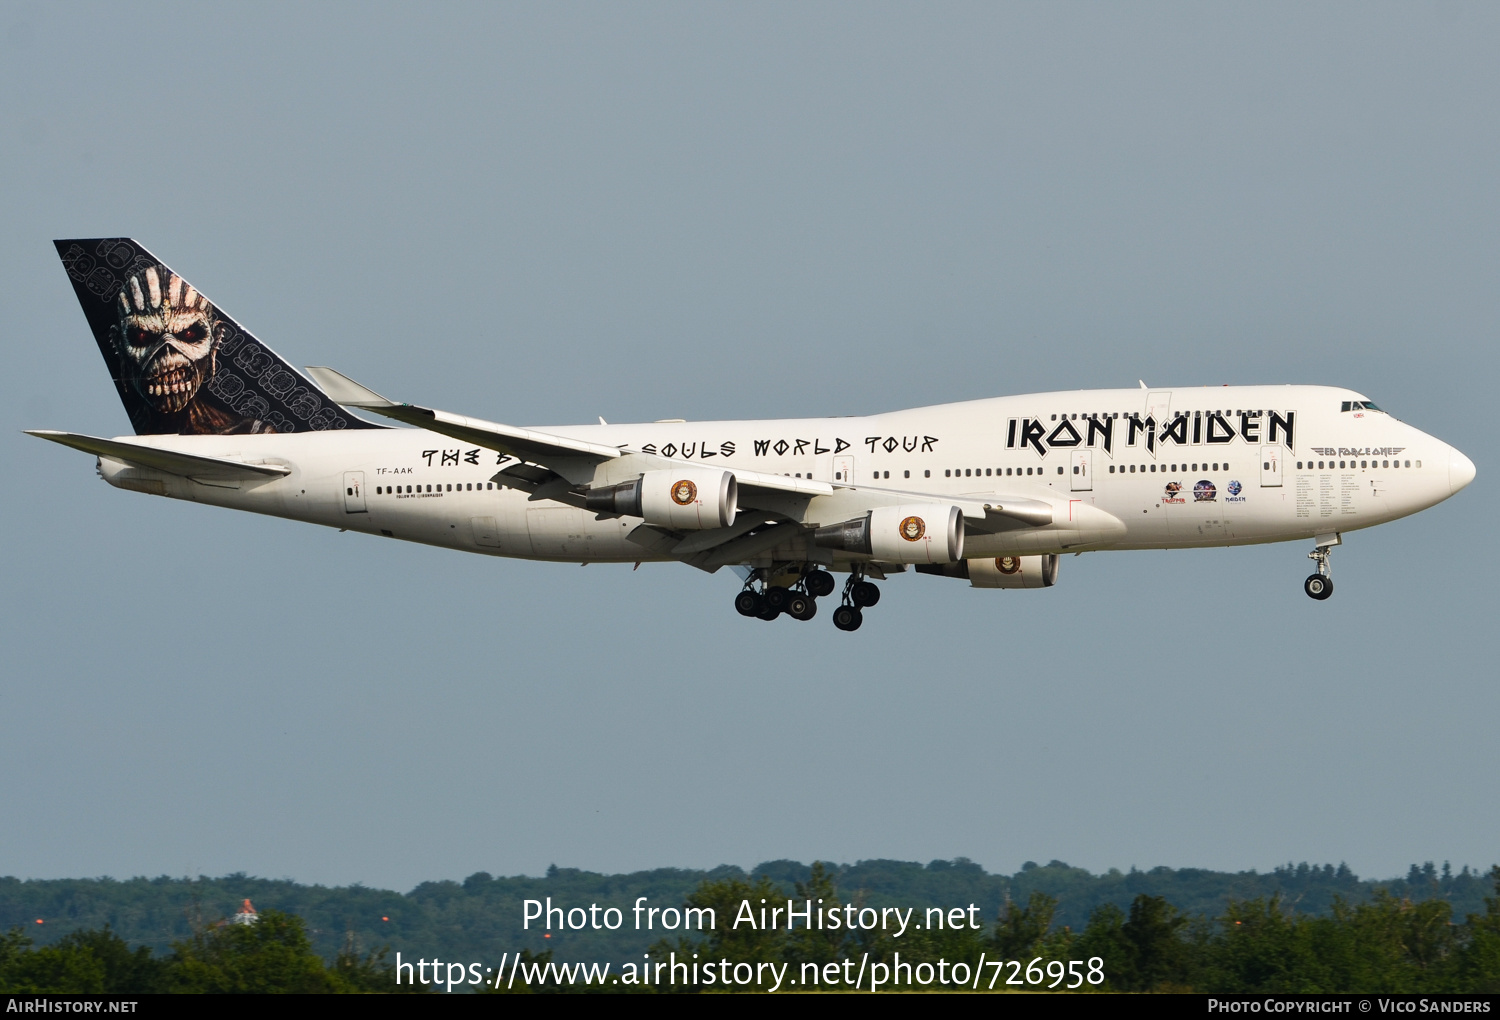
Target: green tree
x=1020 y=930
x=1158 y=955
x=1477 y=967
x=1104 y=937
x=810 y=944
x=271 y=955
x=370 y=972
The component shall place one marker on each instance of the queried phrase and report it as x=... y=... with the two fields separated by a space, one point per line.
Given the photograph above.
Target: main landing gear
x=799 y=598
x=1320 y=585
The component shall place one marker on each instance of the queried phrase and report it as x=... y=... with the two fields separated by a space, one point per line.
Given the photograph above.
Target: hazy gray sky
x=543 y=213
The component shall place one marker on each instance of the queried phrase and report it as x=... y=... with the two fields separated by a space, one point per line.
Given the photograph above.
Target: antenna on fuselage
x=1143 y=384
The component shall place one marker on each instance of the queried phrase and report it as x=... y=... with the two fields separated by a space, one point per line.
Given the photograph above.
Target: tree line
x=1387 y=943
x=470 y=920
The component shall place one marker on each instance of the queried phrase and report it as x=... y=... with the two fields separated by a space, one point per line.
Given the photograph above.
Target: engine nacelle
x=690 y=499
x=1013 y=572
x=1000 y=571
x=916 y=533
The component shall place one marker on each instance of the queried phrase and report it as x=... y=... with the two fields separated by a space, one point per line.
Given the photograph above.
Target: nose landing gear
x=1320 y=585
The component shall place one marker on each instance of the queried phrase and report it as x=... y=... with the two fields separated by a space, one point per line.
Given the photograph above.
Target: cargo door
x=354 y=492
x=486 y=533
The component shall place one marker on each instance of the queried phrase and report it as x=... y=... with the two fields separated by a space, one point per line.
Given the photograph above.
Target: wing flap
x=574 y=459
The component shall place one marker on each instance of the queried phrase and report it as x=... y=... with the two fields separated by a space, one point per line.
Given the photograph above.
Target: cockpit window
x=1360 y=405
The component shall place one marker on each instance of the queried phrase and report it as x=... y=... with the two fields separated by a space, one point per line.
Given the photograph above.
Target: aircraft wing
x=554 y=467
x=171 y=461
x=572 y=459
x=546 y=458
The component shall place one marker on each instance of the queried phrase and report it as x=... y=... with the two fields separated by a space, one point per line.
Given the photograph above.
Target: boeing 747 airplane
x=989 y=491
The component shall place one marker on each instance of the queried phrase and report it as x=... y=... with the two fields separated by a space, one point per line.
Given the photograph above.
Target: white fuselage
x=1175 y=468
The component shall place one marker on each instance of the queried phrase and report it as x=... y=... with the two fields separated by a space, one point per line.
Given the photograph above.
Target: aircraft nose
x=1460 y=470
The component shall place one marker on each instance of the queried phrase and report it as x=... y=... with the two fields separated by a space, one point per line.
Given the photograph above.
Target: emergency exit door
x=354 y=492
x=1083 y=470
x=843 y=469
x=1270 y=466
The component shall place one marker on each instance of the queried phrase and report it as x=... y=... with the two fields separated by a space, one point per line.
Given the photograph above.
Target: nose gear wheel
x=1320 y=585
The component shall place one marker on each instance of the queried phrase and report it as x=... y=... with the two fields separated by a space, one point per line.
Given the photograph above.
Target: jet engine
x=1013 y=572
x=690 y=499
x=916 y=533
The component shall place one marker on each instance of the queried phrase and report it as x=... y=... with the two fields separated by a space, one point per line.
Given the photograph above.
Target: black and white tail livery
x=181 y=366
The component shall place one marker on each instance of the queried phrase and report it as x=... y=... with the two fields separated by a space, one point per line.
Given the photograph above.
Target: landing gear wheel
x=847 y=618
x=864 y=595
x=819 y=583
x=749 y=603
x=769 y=614
x=776 y=598
x=1318 y=587
x=801 y=607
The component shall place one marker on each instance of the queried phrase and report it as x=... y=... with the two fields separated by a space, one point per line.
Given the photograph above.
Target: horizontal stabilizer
x=171 y=461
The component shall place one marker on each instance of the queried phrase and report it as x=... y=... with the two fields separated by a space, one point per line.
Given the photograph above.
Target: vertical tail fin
x=180 y=365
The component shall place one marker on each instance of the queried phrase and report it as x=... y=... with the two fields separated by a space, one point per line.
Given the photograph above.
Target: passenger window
x=906 y=474
x=1059 y=469
x=1153 y=469
x=887 y=474
x=1408 y=463
x=1111 y=469
x=1419 y=463
x=927 y=474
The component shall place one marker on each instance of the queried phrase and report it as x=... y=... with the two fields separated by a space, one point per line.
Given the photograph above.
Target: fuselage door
x=1158 y=403
x=354 y=492
x=1083 y=470
x=843 y=469
x=1270 y=466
